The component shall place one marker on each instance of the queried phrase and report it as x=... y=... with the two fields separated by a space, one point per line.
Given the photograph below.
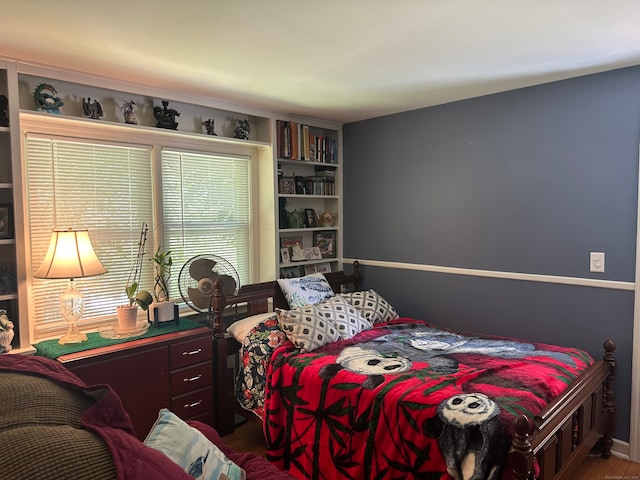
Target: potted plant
x=162 y=309
x=128 y=313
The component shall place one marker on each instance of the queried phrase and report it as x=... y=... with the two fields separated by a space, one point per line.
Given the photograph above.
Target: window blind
x=106 y=188
x=206 y=209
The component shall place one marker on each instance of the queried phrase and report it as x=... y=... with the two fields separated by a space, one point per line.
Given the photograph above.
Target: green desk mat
x=52 y=349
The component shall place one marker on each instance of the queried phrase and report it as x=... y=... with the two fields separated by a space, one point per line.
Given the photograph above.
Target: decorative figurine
x=6 y=332
x=209 y=127
x=128 y=109
x=4 y=111
x=242 y=130
x=92 y=109
x=165 y=116
x=46 y=100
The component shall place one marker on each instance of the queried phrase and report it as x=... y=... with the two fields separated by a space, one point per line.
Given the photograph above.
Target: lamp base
x=73 y=335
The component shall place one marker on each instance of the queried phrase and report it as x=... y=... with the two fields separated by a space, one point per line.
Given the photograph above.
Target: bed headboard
x=256 y=296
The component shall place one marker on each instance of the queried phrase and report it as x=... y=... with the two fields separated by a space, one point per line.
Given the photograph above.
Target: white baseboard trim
x=620 y=449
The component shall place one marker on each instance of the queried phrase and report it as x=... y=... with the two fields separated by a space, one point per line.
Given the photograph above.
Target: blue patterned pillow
x=307 y=290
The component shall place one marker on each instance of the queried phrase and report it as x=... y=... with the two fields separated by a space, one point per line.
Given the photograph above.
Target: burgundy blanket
x=407 y=400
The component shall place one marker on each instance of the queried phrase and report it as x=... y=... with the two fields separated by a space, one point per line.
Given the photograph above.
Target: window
x=206 y=209
x=197 y=202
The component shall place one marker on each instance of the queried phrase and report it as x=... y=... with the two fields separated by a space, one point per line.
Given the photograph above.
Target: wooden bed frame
x=559 y=438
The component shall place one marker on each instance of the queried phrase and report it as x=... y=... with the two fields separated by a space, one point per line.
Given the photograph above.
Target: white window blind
x=106 y=188
x=206 y=209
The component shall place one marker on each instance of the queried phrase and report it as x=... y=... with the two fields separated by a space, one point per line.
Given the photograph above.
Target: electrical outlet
x=596 y=262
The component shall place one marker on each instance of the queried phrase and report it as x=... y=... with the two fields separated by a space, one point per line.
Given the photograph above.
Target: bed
x=328 y=413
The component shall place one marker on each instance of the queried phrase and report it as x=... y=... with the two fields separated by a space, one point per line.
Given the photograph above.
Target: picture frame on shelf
x=285 y=255
x=312 y=253
x=6 y=223
x=310 y=218
x=323 y=267
x=310 y=269
x=325 y=240
x=287 y=186
x=297 y=254
x=290 y=242
x=291 y=272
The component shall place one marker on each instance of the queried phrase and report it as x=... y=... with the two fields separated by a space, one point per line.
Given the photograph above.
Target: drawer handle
x=192 y=379
x=194 y=404
x=192 y=352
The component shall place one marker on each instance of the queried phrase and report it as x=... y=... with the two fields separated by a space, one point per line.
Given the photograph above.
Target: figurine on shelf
x=166 y=116
x=92 y=109
x=4 y=111
x=6 y=332
x=242 y=130
x=128 y=109
x=209 y=126
x=46 y=100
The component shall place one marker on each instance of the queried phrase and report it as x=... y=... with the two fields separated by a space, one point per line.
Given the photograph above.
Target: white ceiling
x=341 y=60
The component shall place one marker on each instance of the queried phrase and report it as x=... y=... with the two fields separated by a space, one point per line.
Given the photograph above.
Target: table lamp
x=71 y=256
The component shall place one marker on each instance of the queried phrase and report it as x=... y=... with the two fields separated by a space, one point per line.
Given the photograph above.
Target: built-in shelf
x=6 y=185
x=5 y=129
x=8 y=296
x=7 y=241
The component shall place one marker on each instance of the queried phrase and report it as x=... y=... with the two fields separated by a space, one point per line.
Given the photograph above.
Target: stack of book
x=296 y=142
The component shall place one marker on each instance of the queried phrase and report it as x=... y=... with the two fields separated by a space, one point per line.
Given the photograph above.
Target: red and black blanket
x=408 y=400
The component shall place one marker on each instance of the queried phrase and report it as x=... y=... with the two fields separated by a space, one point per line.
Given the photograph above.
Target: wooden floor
x=248 y=438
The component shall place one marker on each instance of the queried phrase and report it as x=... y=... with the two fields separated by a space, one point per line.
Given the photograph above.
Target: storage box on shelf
x=309 y=203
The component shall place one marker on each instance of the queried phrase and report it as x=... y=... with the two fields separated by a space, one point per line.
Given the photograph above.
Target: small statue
x=166 y=116
x=128 y=109
x=4 y=111
x=92 y=109
x=243 y=130
x=6 y=332
x=46 y=100
x=209 y=127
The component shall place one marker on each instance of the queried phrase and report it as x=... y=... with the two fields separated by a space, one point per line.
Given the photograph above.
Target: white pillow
x=190 y=449
x=372 y=306
x=307 y=290
x=240 y=328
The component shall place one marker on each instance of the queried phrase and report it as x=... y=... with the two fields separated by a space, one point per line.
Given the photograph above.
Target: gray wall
x=525 y=181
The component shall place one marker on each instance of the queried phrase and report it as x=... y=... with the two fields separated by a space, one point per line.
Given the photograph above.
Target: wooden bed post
x=521 y=454
x=224 y=418
x=609 y=398
x=357 y=278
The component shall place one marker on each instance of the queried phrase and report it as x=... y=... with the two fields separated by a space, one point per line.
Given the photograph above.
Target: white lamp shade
x=70 y=255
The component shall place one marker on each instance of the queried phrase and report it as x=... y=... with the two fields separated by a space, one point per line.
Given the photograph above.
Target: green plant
x=162 y=263
x=140 y=297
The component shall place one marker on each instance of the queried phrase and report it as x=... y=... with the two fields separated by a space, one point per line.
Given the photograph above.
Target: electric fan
x=197 y=279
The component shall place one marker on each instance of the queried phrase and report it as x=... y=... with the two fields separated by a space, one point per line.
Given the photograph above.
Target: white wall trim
x=530 y=277
x=634 y=421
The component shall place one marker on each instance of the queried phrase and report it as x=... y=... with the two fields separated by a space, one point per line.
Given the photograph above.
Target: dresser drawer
x=191 y=378
x=191 y=352
x=193 y=403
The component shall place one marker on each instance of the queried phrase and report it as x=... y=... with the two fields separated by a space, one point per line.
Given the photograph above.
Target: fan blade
x=228 y=285
x=202 y=267
x=200 y=300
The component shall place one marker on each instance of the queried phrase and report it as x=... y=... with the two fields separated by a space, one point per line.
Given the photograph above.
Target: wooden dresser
x=171 y=371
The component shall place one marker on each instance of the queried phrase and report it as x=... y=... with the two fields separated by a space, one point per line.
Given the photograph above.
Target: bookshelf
x=11 y=267
x=309 y=206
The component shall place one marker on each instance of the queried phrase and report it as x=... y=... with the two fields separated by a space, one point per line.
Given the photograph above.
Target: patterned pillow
x=306 y=329
x=257 y=347
x=347 y=319
x=372 y=306
x=307 y=290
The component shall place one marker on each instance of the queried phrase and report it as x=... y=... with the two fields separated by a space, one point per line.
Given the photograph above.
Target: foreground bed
x=551 y=442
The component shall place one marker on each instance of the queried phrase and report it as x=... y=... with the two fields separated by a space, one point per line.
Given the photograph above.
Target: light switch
x=596 y=262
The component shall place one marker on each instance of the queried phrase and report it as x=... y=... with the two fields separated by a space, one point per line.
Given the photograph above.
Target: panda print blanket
x=407 y=400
